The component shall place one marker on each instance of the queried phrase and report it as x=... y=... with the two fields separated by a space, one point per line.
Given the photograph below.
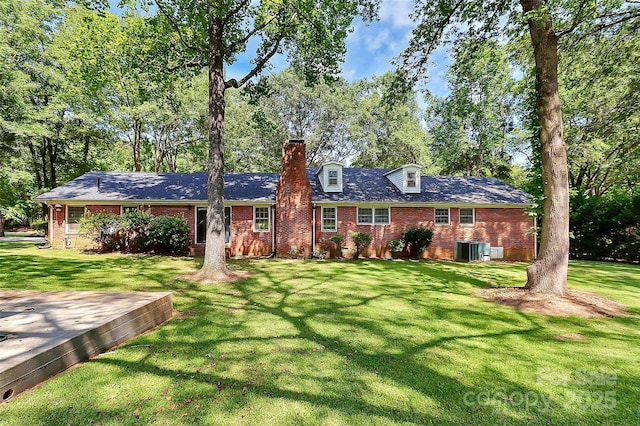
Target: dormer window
x=330 y=176
x=406 y=178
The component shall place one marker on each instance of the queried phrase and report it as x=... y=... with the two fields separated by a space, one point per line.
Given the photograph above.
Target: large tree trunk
x=137 y=135
x=215 y=267
x=2 y=219
x=548 y=273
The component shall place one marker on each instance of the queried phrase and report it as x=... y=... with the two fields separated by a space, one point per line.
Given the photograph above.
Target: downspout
x=273 y=231
x=313 y=229
x=51 y=212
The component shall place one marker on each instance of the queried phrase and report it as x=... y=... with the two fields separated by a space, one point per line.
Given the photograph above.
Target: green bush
x=395 y=246
x=39 y=225
x=133 y=228
x=361 y=241
x=337 y=240
x=103 y=228
x=418 y=239
x=168 y=234
x=606 y=227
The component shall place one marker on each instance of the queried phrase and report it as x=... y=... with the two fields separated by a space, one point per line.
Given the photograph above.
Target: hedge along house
x=269 y=213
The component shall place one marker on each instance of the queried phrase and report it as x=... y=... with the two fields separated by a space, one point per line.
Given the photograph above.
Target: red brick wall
x=501 y=227
x=244 y=240
x=293 y=201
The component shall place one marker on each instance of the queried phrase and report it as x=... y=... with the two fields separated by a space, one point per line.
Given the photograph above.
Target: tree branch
x=235 y=11
x=176 y=27
x=610 y=24
x=253 y=32
x=259 y=65
x=576 y=21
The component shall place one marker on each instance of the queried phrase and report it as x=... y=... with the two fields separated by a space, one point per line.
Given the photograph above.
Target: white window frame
x=128 y=207
x=448 y=216
x=473 y=216
x=66 y=219
x=195 y=221
x=335 y=219
x=268 y=228
x=373 y=216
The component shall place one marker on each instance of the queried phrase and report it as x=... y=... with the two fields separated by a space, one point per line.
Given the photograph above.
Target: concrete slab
x=44 y=333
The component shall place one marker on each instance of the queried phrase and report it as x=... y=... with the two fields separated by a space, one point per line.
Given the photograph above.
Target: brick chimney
x=293 y=201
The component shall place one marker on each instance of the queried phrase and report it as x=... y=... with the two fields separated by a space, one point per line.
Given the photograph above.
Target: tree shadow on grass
x=232 y=347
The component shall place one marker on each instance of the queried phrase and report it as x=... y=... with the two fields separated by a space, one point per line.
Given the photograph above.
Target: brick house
x=268 y=213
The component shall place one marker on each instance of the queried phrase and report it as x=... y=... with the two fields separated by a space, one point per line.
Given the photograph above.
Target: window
x=369 y=215
x=333 y=177
x=411 y=180
x=442 y=216
x=329 y=219
x=261 y=219
x=201 y=225
x=466 y=216
x=128 y=209
x=74 y=214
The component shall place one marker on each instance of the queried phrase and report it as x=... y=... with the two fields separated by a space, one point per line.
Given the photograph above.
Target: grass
x=318 y=342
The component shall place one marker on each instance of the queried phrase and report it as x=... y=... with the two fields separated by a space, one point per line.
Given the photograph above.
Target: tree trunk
x=215 y=267
x=548 y=273
x=2 y=219
x=137 y=134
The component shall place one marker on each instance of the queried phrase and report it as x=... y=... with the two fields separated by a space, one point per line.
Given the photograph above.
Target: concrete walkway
x=34 y=240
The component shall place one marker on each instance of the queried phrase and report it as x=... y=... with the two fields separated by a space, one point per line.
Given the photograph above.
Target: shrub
x=39 y=225
x=168 y=234
x=395 y=246
x=337 y=240
x=361 y=241
x=417 y=238
x=103 y=228
x=133 y=229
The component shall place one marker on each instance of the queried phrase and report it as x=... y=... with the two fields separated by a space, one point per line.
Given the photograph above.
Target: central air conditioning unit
x=471 y=251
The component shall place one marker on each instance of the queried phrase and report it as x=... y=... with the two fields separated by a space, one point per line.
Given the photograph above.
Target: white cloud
x=397 y=12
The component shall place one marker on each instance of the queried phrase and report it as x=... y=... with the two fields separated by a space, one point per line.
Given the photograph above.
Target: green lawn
x=321 y=342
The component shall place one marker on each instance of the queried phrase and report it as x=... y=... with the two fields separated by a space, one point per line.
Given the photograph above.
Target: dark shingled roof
x=370 y=185
x=359 y=186
x=116 y=186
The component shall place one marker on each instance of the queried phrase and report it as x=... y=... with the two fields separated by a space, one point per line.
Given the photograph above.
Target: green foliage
x=104 y=229
x=337 y=239
x=606 y=227
x=39 y=225
x=418 y=239
x=475 y=128
x=168 y=234
x=395 y=246
x=134 y=230
x=361 y=240
x=387 y=133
